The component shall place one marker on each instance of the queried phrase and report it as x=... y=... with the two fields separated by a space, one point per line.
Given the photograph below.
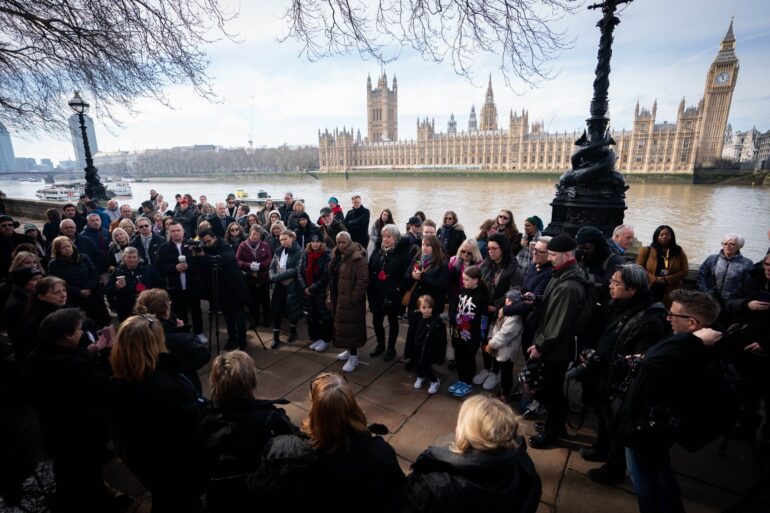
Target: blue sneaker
x=454 y=386
x=462 y=390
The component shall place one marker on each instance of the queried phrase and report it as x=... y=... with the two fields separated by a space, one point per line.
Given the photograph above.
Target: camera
x=193 y=245
x=587 y=361
x=531 y=375
x=627 y=367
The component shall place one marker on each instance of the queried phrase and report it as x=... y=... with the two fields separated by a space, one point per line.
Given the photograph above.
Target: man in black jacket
x=220 y=220
x=224 y=286
x=663 y=395
x=183 y=278
x=186 y=217
x=9 y=239
x=632 y=324
x=146 y=242
x=357 y=222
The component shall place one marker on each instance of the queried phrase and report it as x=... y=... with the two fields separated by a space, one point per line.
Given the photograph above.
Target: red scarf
x=312 y=265
x=336 y=209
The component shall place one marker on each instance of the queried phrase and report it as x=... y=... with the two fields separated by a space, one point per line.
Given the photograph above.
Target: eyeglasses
x=538 y=252
x=464 y=252
x=505 y=218
x=729 y=243
x=450 y=218
x=143 y=226
x=669 y=313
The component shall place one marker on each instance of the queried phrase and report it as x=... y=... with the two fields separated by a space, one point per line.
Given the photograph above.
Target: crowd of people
x=572 y=308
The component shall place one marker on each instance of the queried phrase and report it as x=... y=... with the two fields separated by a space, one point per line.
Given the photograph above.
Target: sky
x=662 y=51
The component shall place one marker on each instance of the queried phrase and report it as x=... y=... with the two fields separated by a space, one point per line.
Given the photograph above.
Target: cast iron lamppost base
x=593 y=192
x=94 y=188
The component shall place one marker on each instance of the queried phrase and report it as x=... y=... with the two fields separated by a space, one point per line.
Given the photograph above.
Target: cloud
x=659 y=52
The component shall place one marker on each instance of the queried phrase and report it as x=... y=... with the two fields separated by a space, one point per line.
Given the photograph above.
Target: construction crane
x=251 y=126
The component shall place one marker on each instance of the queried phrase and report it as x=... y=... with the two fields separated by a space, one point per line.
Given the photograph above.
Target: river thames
x=699 y=214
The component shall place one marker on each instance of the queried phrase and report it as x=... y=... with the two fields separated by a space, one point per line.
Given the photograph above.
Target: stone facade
x=697 y=136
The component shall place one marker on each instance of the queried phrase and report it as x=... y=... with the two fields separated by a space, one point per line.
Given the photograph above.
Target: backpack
x=720 y=385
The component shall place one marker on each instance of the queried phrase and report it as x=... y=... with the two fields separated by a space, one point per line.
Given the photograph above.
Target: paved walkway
x=711 y=482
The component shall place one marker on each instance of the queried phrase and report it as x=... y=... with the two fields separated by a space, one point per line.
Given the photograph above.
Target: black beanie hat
x=562 y=243
x=22 y=276
x=589 y=234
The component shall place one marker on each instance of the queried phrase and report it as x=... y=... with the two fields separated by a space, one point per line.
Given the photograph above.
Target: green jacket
x=562 y=304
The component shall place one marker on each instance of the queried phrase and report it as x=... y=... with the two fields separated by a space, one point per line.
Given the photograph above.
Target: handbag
x=407 y=297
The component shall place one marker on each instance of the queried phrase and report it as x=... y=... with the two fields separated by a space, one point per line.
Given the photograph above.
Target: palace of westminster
x=696 y=138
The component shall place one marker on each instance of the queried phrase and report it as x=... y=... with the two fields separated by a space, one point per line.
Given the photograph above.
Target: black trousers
x=319 y=324
x=259 y=301
x=553 y=396
x=184 y=303
x=378 y=319
x=490 y=363
x=465 y=357
x=235 y=318
x=79 y=482
x=506 y=377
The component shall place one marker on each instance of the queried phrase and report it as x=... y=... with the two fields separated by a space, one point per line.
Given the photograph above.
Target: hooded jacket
x=346 y=299
x=386 y=272
x=563 y=300
x=447 y=482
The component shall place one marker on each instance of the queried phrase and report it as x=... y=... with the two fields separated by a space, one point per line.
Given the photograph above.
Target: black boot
x=276 y=339
x=390 y=354
x=378 y=350
x=292 y=333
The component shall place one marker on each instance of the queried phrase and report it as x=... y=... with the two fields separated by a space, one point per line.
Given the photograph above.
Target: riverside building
x=516 y=145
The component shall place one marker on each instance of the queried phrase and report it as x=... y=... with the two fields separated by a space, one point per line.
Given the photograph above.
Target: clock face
x=722 y=78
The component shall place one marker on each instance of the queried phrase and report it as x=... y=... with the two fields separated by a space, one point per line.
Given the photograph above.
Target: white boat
x=60 y=193
x=120 y=188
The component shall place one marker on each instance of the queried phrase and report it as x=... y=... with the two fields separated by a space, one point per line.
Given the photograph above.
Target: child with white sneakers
x=429 y=342
x=505 y=343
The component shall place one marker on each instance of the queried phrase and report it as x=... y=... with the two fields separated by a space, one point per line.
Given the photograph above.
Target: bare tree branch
x=115 y=51
x=518 y=31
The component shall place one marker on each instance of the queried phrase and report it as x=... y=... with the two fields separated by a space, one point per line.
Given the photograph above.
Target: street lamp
x=94 y=188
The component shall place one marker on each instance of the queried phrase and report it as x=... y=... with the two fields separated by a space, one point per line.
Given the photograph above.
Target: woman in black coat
x=338 y=450
x=287 y=294
x=487 y=464
x=83 y=288
x=499 y=272
x=69 y=390
x=155 y=412
x=236 y=428
x=130 y=278
x=313 y=277
x=387 y=266
x=428 y=275
x=190 y=354
x=451 y=234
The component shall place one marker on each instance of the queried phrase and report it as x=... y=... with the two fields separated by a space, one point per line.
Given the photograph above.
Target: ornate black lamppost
x=593 y=192
x=94 y=188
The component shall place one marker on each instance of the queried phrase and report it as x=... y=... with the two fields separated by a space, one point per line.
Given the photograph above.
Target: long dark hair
x=505 y=247
x=673 y=247
x=378 y=224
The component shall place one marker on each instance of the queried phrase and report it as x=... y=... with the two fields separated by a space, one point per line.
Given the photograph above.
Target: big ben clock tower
x=720 y=83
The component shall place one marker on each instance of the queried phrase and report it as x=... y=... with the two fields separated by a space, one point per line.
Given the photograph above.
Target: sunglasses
x=503 y=217
x=464 y=252
x=143 y=226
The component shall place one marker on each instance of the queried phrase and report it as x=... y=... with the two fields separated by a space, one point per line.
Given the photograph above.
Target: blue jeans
x=655 y=484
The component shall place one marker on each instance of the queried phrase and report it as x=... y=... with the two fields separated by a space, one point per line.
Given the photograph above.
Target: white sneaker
x=434 y=386
x=321 y=347
x=491 y=382
x=351 y=364
x=313 y=345
x=419 y=382
x=481 y=376
x=343 y=355
x=202 y=338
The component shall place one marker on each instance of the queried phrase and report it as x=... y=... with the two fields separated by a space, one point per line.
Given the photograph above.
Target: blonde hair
x=153 y=301
x=233 y=377
x=472 y=246
x=118 y=231
x=127 y=222
x=137 y=349
x=485 y=424
x=21 y=256
x=427 y=299
x=334 y=414
x=57 y=244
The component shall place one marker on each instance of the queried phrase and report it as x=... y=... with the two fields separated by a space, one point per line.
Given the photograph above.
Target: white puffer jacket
x=505 y=338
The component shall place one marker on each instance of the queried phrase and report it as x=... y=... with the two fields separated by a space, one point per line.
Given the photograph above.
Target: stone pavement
x=710 y=482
